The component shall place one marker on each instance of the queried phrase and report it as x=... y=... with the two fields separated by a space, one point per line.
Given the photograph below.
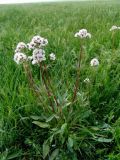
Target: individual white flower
x=20 y=57
x=94 y=62
x=34 y=62
x=38 y=56
x=44 y=42
x=31 y=45
x=88 y=35
x=52 y=57
x=36 y=39
x=114 y=28
x=21 y=45
x=83 y=34
x=77 y=34
x=38 y=51
x=86 y=80
x=17 y=50
x=30 y=58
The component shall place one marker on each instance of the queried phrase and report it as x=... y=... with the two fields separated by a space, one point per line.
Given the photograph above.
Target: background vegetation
x=90 y=128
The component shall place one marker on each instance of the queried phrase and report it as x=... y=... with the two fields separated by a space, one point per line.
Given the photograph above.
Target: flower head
x=20 y=46
x=94 y=62
x=83 y=34
x=20 y=57
x=114 y=28
x=39 y=41
x=52 y=57
x=38 y=56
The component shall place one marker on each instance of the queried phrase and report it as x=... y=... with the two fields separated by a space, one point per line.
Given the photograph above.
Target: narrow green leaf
x=63 y=128
x=50 y=118
x=41 y=124
x=70 y=142
x=54 y=154
x=14 y=155
x=104 y=140
x=35 y=117
x=46 y=149
x=67 y=104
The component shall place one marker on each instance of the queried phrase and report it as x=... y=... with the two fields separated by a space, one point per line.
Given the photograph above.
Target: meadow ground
x=86 y=129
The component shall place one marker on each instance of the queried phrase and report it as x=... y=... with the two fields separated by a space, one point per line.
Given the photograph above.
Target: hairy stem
x=78 y=74
x=47 y=88
x=113 y=40
x=30 y=77
x=52 y=91
x=49 y=82
x=31 y=81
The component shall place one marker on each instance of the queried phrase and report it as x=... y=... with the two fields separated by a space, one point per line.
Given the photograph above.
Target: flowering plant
x=38 y=56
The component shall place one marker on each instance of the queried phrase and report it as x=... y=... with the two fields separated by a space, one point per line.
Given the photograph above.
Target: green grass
x=92 y=129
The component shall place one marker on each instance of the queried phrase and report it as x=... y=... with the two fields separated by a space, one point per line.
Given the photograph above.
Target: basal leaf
x=46 y=149
x=106 y=140
x=70 y=142
x=41 y=124
x=54 y=154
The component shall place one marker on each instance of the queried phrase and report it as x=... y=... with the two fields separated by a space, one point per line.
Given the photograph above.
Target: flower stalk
x=30 y=79
x=47 y=88
x=82 y=34
x=78 y=74
x=49 y=82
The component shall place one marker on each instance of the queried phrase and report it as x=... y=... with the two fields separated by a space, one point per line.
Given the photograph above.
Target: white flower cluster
x=86 y=80
x=94 y=62
x=20 y=57
x=83 y=33
x=38 y=53
x=37 y=42
x=114 y=28
x=20 y=47
x=52 y=57
x=38 y=56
